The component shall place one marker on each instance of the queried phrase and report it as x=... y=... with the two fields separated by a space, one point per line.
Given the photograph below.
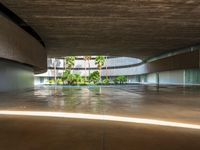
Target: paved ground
x=166 y=103
x=30 y=133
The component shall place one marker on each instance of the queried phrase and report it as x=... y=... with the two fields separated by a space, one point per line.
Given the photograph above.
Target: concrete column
x=21 y=56
x=15 y=76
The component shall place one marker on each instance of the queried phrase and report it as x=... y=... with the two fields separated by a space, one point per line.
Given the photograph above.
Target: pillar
x=21 y=56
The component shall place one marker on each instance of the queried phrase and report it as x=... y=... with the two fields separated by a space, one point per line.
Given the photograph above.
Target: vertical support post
x=184 y=78
x=158 y=81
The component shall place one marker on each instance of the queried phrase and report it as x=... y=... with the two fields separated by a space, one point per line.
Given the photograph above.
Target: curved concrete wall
x=15 y=76
x=182 y=61
x=122 y=61
x=119 y=65
x=17 y=45
x=111 y=62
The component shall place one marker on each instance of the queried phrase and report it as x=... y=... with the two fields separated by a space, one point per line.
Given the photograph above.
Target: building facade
x=117 y=66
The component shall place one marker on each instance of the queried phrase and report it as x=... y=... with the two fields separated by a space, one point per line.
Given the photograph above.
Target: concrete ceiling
x=138 y=28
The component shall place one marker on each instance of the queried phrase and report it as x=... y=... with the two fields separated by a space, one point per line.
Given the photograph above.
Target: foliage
x=116 y=81
x=51 y=82
x=87 y=58
x=78 y=79
x=71 y=78
x=100 y=61
x=70 y=61
x=106 y=81
x=120 y=80
x=65 y=76
x=94 y=77
x=59 y=81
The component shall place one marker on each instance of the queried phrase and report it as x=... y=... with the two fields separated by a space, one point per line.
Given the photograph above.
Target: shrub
x=120 y=80
x=51 y=82
x=94 y=77
x=59 y=81
x=71 y=78
x=77 y=78
x=106 y=81
x=65 y=76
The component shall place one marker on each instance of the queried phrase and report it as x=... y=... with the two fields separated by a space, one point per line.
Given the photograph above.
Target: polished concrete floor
x=167 y=103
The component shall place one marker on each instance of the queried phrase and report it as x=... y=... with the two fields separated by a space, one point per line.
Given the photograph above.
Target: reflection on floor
x=171 y=104
x=35 y=133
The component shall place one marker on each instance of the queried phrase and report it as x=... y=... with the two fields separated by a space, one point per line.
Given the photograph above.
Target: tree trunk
x=64 y=65
x=85 y=70
x=89 y=67
x=55 y=75
x=100 y=73
x=106 y=69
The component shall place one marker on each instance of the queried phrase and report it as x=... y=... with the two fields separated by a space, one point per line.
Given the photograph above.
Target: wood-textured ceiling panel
x=138 y=28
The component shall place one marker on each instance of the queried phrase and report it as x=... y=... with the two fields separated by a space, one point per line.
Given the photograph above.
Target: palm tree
x=87 y=58
x=100 y=61
x=106 y=67
x=55 y=71
x=70 y=62
x=65 y=63
x=55 y=63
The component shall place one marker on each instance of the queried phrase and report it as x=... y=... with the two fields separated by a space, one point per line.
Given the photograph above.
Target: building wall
x=19 y=46
x=152 y=78
x=171 y=77
x=21 y=56
x=15 y=76
x=169 y=70
x=192 y=76
x=176 y=77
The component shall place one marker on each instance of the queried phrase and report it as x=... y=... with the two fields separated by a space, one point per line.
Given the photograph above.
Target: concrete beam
x=17 y=45
x=181 y=61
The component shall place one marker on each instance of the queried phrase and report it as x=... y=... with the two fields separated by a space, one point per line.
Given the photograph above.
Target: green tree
x=55 y=63
x=71 y=78
x=94 y=77
x=70 y=62
x=106 y=81
x=106 y=59
x=51 y=81
x=120 y=80
x=77 y=78
x=65 y=76
x=87 y=59
x=59 y=81
x=100 y=61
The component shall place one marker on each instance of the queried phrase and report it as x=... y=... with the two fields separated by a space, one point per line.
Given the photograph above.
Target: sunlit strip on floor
x=101 y=117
